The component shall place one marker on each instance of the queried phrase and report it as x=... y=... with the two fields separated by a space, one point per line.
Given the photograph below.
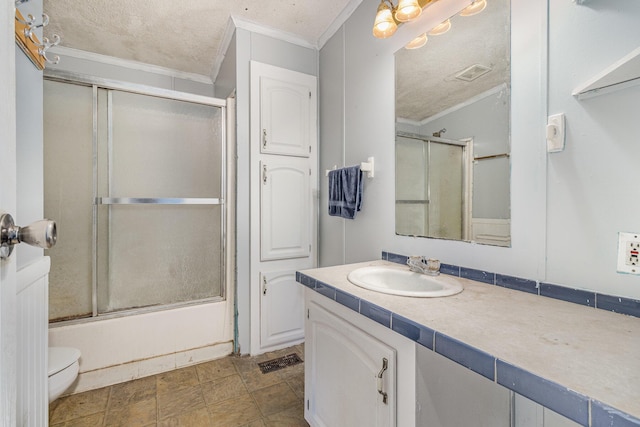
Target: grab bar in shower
x=156 y=201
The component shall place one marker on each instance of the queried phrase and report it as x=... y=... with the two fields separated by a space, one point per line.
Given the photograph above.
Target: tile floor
x=229 y=392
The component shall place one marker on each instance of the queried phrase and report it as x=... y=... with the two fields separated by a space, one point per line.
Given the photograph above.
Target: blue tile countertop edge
x=616 y=304
x=549 y=394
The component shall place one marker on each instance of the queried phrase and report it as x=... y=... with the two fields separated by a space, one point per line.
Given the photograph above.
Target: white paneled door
x=285 y=117
x=282 y=313
x=8 y=205
x=285 y=207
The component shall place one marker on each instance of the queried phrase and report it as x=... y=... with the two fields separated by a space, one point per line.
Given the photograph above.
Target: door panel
x=285 y=117
x=343 y=364
x=281 y=308
x=285 y=220
x=8 y=205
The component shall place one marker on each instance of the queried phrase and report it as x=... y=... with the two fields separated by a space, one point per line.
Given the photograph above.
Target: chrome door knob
x=42 y=234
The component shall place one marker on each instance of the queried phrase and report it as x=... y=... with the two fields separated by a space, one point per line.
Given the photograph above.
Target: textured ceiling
x=180 y=35
x=425 y=83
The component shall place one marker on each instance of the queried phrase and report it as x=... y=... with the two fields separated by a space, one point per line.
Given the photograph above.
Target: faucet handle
x=433 y=265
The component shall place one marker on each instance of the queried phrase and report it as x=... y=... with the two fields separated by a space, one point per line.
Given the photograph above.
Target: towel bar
x=367 y=167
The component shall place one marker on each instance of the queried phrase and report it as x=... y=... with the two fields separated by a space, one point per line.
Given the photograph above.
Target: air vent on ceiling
x=471 y=73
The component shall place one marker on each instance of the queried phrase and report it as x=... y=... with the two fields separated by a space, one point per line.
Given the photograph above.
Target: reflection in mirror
x=452 y=131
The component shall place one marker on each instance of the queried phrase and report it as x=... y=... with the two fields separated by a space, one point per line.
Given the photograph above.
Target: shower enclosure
x=433 y=187
x=135 y=178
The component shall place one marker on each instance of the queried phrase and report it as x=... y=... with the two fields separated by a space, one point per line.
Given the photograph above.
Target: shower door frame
x=97 y=83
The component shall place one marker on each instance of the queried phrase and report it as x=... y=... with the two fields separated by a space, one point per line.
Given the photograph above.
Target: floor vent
x=279 y=363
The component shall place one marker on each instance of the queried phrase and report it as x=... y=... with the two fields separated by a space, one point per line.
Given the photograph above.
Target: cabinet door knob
x=41 y=234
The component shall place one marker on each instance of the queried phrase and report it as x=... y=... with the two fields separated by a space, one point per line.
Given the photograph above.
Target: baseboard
x=104 y=377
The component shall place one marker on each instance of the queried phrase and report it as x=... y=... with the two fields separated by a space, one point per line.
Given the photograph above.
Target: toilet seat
x=61 y=358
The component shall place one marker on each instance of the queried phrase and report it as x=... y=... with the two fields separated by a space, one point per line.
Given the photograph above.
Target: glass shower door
x=159 y=217
x=431 y=198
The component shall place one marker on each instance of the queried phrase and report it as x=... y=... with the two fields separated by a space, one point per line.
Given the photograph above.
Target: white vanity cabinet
x=357 y=372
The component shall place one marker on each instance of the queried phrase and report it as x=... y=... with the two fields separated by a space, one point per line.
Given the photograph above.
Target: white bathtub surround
x=125 y=348
x=556 y=347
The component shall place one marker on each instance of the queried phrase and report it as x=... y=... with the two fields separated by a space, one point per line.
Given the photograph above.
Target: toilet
x=62 y=370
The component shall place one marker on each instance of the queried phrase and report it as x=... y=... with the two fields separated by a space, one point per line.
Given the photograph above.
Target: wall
x=253 y=46
x=564 y=222
x=591 y=186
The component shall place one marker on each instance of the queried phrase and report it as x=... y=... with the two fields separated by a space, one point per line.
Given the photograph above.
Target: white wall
x=592 y=187
x=564 y=222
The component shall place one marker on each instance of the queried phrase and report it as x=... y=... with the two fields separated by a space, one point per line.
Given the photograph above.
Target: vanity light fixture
x=389 y=16
x=384 y=25
x=474 y=8
x=418 y=42
x=441 y=28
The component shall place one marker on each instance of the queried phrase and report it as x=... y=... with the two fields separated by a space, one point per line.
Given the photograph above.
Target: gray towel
x=345 y=192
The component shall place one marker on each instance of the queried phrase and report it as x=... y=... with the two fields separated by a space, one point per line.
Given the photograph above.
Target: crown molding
x=126 y=63
x=272 y=32
x=338 y=22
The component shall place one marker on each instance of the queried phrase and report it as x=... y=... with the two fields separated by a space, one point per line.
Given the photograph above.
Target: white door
x=281 y=308
x=343 y=364
x=287 y=116
x=285 y=208
x=8 y=205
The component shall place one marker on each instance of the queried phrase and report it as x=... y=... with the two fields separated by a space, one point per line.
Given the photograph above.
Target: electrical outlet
x=629 y=253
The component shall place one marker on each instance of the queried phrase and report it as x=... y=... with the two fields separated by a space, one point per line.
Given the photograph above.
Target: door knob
x=41 y=234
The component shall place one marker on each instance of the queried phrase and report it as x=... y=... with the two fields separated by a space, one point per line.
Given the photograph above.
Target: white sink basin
x=401 y=281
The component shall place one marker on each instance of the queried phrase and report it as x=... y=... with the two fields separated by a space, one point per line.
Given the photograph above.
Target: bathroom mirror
x=452 y=131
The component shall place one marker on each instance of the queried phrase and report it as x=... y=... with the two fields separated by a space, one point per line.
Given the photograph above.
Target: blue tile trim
x=326 y=290
x=306 y=280
x=412 y=330
x=517 y=283
x=376 y=313
x=618 y=304
x=452 y=270
x=478 y=275
x=604 y=415
x=562 y=400
x=576 y=296
x=398 y=259
x=469 y=357
x=348 y=300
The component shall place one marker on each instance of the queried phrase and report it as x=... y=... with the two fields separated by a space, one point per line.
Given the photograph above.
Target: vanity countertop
x=594 y=353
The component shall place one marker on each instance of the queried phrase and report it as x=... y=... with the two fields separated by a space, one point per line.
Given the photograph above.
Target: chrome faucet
x=421 y=265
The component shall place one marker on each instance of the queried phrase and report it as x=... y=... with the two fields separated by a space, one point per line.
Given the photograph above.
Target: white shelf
x=619 y=75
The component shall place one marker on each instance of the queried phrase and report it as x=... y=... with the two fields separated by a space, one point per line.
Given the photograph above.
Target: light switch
x=555 y=133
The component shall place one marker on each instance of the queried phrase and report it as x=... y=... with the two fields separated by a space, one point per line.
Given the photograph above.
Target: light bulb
x=384 y=25
x=407 y=10
x=441 y=28
x=418 y=42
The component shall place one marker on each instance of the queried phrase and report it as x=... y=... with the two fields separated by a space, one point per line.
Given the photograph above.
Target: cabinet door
x=342 y=367
x=285 y=208
x=281 y=308
x=286 y=115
